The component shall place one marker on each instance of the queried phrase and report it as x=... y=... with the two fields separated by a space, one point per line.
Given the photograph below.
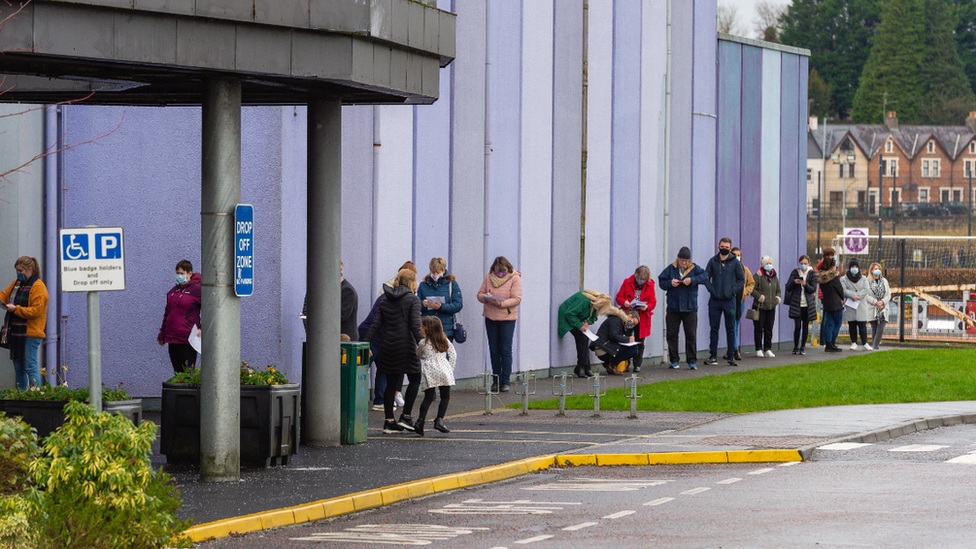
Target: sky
x=746 y=13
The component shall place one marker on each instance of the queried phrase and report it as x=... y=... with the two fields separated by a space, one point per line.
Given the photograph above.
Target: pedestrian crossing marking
x=518 y=507
x=918 y=448
x=659 y=501
x=969 y=459
x=393 y=534
x=579 y=526
x=729 y=481
x=597 y=485
x=535 y=539
x=843 y=446
x=619 y=514
x=789 y=464
x=760 y=471
x=695 y=491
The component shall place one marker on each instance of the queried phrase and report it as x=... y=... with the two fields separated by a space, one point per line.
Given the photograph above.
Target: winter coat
x=509 y=290
x=794 y=291
x=627 y=292
x=768 y=287
x=36 y=310
x=574 y=312
x=399 y=317
x=749 y=285
x=725 y=277
x=446 y=287
x=367 y=322
x=182 y=311
x=872 y=300
x=833 y=291
x=349 y=306
x=681 y=299
x=438 y=368
x=611 y=334
x=859 y=289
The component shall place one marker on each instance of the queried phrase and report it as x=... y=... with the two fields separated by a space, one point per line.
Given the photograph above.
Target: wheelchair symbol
x=75 y=250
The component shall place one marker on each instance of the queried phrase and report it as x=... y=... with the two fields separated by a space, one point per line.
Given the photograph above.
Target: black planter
x=47 y=415
x=269 y=424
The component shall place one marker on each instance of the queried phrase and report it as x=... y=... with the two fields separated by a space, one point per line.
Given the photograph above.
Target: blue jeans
x=26 y=372
x=717 y=308
x=738 y=320
x=832 y=323
x=501 y=333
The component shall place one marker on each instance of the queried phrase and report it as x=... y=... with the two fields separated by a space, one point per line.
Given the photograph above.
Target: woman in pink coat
x=501 y=292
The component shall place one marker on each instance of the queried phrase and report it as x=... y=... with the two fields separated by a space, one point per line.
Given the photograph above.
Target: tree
x=819 y=92
x=943 y=72
x=838 y=35
x=966 y=38
x=728 y=20
x=894 y=66
x=768 y=21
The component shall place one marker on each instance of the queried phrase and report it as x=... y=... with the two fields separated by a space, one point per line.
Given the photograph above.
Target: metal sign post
x=92 y=261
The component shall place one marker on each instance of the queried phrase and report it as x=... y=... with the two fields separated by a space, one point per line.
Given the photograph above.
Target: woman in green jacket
x=766 y=294
x=576 y=314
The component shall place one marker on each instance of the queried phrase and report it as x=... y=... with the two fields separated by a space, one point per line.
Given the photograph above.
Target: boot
x=579 y=372
x=439 y=425
x=588 y=372
x=418 y=427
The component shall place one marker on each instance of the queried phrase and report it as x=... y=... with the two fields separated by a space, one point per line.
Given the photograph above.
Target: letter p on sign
x=108 y=246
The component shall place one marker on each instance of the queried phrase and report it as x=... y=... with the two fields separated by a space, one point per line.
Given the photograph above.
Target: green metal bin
x=355 y=392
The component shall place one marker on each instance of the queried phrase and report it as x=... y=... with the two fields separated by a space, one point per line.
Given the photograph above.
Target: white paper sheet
x=631 y=344
x=590 y=335
x=851 y=303
x=194 y=339
x=435 y=299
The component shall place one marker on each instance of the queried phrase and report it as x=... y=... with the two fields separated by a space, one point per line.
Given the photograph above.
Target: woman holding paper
x=182 y=314
x=857 y=311
x=501 y=292
x=576 y=314
x=637 y=293
x=25 y=302
x=440 y=296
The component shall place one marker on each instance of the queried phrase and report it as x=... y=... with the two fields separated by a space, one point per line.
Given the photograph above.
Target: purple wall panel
x=729 y=144
x=750 y=200
x=789 y=184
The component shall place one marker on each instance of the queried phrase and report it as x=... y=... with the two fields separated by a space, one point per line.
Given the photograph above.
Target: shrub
x=15 y=523
x=18 y=448
x=61 y=392
x=97 y=489
x=249 y=376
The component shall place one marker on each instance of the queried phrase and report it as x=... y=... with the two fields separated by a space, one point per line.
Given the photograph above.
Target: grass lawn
x=909 y=375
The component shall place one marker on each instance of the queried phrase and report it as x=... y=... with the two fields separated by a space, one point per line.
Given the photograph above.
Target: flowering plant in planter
x=62 y=393
x=249 y=376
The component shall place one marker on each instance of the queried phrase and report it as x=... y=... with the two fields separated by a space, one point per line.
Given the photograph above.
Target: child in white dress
x=436 y=371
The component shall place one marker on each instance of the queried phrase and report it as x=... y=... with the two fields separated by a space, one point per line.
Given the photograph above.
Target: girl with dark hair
x=833 y=302
x=436 y=371
x=23 y=324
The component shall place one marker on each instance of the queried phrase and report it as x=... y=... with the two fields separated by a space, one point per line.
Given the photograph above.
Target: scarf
x=853 y=277
x=497 y=282
x=17 y=325
x=878 y=289
x=770 y=275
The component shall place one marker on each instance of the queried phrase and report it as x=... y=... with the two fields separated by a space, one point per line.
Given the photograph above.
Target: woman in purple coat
x=181 y=315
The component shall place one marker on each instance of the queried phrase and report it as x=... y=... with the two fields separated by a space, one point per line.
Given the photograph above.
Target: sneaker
x=769 y=354
x=796 y=352
x=419 y=427
x=801 y=352
x=637 y=369
x=673 y=366
x=760 y=354
x=494 y=389
x=692 y=366
x=378 y=407
x=398 y=400
x=854 y=347
x=439 y=425
x=732 y=362
x=405 y=423
x=391 y=427
x=711 y=360
x=505 y=388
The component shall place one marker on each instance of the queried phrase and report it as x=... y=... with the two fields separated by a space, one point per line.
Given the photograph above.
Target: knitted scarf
x=17 y=325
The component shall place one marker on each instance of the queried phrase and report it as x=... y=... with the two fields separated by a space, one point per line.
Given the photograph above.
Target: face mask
x=723 y=252
x=877 y=272
x=181 y=279
x=738 y=258
x=22 y=277
x=768 y=268
x=629 y=325
x=639 y=281
x=854 y=270
x=501 y=274
x=436 y=277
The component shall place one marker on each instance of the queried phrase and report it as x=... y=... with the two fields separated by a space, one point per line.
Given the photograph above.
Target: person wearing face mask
x=878 y=298
x=440 y=295
x=616 y=341
x=832 y=302
x=857 y=316
x=828 y=254
x=767 y=294
x=725 y=278
x=801 y=290
x=743 y=294
x=501 y=293
x=637 y=293
x=182 y=313
x=681 y=280
x=25 y=302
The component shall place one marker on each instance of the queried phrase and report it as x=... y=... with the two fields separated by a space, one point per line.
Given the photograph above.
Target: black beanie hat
x=853 y=263
x=684 y=253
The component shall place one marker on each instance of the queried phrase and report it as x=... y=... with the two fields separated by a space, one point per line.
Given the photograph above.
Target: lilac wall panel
x=789 y=186
x=727 y=213
x=432 y=180
x=750 y=198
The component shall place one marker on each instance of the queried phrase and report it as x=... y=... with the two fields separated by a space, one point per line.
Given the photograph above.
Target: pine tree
x=966 y=38
x=948 y=96
x=819 y=93
x=894 y=66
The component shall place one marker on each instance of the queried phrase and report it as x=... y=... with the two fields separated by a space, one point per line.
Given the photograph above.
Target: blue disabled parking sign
x=92 y=259
x=244 y=250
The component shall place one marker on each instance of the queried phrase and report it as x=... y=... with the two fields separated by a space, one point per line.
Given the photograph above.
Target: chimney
x=891 y=120
x=971 y=122
x=813 y=123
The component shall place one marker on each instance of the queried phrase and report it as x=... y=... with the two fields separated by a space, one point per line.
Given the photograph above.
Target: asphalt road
x=913 y=491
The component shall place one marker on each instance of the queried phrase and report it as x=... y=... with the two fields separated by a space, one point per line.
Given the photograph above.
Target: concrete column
x=324 y=247
x=220 y=389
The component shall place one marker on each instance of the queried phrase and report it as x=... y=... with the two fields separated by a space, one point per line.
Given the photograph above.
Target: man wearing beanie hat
x=680 y=280
x=725 y=279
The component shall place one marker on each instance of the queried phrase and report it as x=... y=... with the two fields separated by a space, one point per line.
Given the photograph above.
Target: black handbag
x=460 y=334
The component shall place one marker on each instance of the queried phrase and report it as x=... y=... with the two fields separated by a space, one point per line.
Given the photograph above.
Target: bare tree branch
x=767 y=22
x=728 y=20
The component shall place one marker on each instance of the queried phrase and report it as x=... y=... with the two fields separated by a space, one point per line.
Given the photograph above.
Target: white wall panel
x=598 y=146
x=769 y=220
x=432 y=180
x=394 y=214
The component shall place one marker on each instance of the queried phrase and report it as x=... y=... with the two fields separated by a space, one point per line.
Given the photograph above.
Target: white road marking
x=918 y=448
x=518 y=507
x=729 y=481
x=598 y=485
x=695 y=491
x=789 y=464
x=392 y=534
x=535 y=539
x=969 y=459
x=659 y=501
x=843 y=446
x=760 y=471
x=579 y=526
x=619 y=514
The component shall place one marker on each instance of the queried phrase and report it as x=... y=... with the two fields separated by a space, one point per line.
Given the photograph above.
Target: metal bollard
x=596 y=394
x=491 y=380
x=522 y=380
x=634 y=395
x=563 y=390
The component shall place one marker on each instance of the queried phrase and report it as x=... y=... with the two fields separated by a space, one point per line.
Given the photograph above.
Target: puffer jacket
x=725 y=278
x=182 y=311
x=399 y=317
x=859 y=289
x=681 y=299
x=627 y=291
x=446 y=287
x=794 y=291
x=833 y=291
x=611 y=334
x=768 y=287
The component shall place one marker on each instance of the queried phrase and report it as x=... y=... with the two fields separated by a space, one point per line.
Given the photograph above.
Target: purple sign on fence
x=855 y=241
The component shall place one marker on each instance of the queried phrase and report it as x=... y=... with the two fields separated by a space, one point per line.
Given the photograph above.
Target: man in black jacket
x=725 y=280
x=615 y=339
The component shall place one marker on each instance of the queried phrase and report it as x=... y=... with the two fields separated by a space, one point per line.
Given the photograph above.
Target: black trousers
x=858 y=328
x=764 y=329
x=673 y=322
x=182 y=356
x=639 y=357
x=629 y=352
x=408 y=399
x=582 y=349
x=801 y=328
x=429 y=399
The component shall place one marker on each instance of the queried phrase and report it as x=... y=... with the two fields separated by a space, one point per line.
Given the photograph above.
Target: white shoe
x=760 y=354
x=854 y=347
x=869 y=348
x=398 y=400
x=769 y=354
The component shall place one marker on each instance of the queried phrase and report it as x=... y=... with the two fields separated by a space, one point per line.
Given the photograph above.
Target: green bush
x=249 y=376
x=97 y=489
x=61 y=392
x=18 y=448
x=15 y=523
